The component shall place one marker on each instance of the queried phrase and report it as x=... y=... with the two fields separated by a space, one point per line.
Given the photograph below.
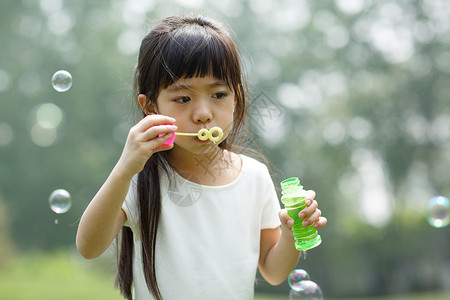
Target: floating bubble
x=60 y=201
x=306 y=290
x=438 y=211
x=296 y=277
x=62 y=81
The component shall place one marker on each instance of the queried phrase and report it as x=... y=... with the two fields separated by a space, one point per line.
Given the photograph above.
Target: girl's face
x=196 y=103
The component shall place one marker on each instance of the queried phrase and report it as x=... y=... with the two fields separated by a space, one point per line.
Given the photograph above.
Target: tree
x=351 y=96
x=7 y=246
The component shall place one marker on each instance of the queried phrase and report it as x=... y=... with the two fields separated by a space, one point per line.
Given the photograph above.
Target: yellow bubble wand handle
x=186 y=134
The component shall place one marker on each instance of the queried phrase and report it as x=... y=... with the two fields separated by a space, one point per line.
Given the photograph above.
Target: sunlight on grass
x=64 y=275
x=54 y=276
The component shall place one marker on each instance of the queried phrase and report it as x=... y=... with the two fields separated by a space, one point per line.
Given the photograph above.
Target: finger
x=312 y=218
x=308 y=210
x=285 y=219
x=157 y=144
x=158 y=131
x=321 y=222
x=153 y=120
x=310 y=195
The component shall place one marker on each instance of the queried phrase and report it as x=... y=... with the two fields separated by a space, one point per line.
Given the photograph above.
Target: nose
x=202 y=113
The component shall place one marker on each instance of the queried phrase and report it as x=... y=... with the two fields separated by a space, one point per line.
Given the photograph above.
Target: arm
x=104 y=217
x=278 y=256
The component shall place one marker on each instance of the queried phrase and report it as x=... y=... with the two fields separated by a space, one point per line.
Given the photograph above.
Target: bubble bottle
x=293 y=198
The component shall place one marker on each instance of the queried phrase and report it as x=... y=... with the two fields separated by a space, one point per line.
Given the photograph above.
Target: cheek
x=168 y=110
x=228 y=121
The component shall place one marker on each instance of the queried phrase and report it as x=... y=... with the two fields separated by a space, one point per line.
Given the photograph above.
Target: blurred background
x=352 y=96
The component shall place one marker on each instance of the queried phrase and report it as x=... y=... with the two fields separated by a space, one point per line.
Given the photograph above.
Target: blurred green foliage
x=351 y=96
x=6 y=248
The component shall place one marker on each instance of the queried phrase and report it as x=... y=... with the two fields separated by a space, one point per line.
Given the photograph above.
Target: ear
x=147 y=106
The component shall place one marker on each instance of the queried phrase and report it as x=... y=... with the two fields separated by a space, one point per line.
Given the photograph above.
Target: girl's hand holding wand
x=144 y=139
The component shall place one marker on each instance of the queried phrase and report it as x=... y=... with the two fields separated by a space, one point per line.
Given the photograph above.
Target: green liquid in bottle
x=293 y=198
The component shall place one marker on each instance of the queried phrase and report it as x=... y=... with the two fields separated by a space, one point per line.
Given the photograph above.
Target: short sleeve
x=130 y=205
x=271 y=205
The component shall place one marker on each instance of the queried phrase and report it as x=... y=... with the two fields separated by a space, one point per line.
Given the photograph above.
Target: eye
x=184 y=99
x=219 y=95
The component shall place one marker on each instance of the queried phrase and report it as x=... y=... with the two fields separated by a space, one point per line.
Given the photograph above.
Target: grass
x=54 y=277
x=64 y=275
x=399 y=297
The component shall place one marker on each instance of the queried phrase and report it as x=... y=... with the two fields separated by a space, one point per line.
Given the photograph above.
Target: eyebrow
x=182 y=86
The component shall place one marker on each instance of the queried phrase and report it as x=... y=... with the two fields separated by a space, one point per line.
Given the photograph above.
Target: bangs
x=197 y=51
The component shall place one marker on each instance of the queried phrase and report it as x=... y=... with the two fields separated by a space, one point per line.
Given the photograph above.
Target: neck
x=209 y=168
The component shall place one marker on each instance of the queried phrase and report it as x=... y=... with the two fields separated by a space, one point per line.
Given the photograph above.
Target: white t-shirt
x=208 y=237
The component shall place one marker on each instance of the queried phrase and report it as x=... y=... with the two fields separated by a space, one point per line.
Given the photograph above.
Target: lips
x=200 y=141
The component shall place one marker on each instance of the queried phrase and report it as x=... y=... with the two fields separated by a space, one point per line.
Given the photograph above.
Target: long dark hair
x=178 y=47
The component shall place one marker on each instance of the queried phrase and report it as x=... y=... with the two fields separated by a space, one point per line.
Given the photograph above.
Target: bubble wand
x=214 y=134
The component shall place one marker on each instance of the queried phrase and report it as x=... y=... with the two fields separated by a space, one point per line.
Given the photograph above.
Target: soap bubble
x=60 y=201
x=62 y=81
x=306 y=290
x=296 y=277
x=438 y=211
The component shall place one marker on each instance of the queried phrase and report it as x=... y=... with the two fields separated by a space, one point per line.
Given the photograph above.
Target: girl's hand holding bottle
x=311 y=215
x=144 y=139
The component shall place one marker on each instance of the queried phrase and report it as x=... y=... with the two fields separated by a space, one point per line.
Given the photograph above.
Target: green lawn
x=64 y=275
x=54 y=276
x=405 y=297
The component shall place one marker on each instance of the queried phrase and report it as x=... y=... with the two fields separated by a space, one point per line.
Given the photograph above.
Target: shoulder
x=255 y=170
x=253 y=164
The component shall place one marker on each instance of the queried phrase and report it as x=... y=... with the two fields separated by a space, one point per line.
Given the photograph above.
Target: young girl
x=197 y=219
